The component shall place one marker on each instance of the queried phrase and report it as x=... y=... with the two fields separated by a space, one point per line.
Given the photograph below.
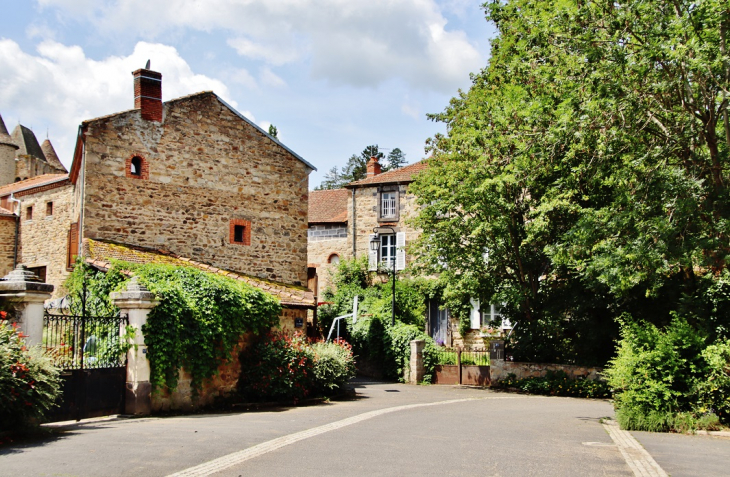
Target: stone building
x=190 y=178
x=327 y=234
x=22 y=157
x=380 y=207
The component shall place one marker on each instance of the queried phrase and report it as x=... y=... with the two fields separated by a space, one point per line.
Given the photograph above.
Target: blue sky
x=334 y=76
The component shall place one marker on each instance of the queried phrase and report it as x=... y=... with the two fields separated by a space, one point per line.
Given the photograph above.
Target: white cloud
x=269 y=78
x=410 y=109
x=360 y=43
x=60 y=86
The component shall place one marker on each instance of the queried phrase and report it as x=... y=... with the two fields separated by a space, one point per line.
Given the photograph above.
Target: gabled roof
x=27 y=143
x=100 y=254
x=32 y=183
x=401 y=175
x=77 y=154
x=328 y=206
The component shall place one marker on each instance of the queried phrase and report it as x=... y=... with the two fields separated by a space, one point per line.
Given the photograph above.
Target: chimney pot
x=374 y=167
x=148 y=94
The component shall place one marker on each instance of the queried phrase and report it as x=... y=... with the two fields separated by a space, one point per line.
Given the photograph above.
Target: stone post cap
x=23 y=280
x=135 y=292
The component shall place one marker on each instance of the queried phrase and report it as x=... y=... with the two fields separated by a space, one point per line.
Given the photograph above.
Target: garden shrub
x=277 y=367
x=668 y=379
x=334 y=365
x=557 y=383
x=29 y=383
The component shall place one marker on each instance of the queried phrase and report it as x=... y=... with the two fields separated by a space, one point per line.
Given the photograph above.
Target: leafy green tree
x=584 y=173
x=273 y=131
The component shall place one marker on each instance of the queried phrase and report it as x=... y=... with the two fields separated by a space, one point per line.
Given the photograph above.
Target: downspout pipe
x=17 y=231
x=354 y=226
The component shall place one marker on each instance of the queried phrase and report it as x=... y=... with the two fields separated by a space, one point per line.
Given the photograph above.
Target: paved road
x=390 y=429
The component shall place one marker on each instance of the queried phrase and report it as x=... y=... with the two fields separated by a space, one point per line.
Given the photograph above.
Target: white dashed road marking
x=239 y=457
x=640 y=461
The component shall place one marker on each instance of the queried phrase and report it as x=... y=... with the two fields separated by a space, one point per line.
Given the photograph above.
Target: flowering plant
x=29 y=384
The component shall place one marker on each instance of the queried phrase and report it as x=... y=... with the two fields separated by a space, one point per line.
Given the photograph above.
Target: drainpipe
x=17 y=231
x=354 y=226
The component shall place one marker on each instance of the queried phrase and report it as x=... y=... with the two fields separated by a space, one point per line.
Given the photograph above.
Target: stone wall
x=44 y=238
x=29 y=166
x=206 y=167
x=7 y=244
x=329 y=240
x=499 y=369
x=223 y=383
x=366 y=218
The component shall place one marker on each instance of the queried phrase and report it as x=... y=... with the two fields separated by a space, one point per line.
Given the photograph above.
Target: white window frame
x=387 y=250
x=389 y=205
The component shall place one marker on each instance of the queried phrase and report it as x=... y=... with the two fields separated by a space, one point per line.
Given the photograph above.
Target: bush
x=557 y=383
x=277 y=367
x=669 y=380
x=29 y=384
x=388 y=347
x=334 y=365
x=714 y=391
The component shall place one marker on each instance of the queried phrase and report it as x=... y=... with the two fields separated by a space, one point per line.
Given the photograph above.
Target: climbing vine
x=198 y=322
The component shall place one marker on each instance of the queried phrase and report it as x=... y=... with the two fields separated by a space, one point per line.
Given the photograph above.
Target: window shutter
x=400 y=251
x=474 y=315
x=372 y=257
x=73 y=245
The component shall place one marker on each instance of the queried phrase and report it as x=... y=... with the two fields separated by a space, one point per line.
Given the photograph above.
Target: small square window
x=49 y=208
x=29 y=213
x=238 y=233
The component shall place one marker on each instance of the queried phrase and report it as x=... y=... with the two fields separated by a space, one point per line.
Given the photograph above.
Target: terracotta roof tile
x=4 y=211
x=403 y=174
x=36 y=181
x=327 y=206
x=100 y=253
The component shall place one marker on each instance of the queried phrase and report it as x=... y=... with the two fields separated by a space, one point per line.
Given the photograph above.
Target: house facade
x=380 y=207
x=189 y=178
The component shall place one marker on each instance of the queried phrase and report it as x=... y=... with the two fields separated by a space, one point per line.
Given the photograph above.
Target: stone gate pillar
x=418 y=369
x=136 y=302
x=25 y=292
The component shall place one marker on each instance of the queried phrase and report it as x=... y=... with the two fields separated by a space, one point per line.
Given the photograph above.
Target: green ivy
x=198 y=322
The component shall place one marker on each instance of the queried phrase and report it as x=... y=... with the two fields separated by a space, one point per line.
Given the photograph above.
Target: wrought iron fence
x=91 y=342
x=468 y=357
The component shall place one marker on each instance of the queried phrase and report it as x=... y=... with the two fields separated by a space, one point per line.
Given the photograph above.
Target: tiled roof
x=4 y=136
x=4 y=211
x=403 y=174
x=36 y=181
x=99 y=254
x=27 y=142
x=328 y=206
x=51 y=156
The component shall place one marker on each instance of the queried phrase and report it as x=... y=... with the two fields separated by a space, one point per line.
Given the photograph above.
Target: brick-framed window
x=137 y=167
x=240 y=232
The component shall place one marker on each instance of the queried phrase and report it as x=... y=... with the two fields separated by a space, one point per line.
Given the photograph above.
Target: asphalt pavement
x=387 y=429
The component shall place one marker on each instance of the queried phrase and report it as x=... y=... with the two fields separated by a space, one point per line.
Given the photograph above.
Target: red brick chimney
x=148 y=94
x=374 y=167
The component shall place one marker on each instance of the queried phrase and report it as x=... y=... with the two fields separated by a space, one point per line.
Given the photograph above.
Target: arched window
x=334 y=259
x=135 y=167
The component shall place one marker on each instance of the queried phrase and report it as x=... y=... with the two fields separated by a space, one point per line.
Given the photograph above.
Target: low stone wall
x=500 y=369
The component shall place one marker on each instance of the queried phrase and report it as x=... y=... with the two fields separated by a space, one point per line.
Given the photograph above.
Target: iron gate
x=92 y=356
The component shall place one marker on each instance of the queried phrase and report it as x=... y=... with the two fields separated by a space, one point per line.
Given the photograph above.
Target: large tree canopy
x=585 y=172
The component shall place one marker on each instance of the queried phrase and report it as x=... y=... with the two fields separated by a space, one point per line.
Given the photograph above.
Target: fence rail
x=77 y=342
x=446 y=356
